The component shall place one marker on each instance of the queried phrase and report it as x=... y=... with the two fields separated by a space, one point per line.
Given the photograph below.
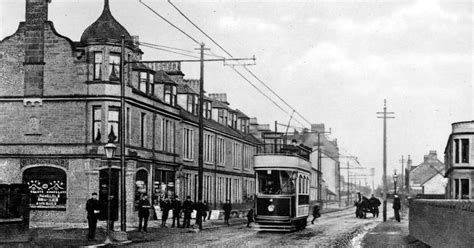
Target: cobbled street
x=332 y=229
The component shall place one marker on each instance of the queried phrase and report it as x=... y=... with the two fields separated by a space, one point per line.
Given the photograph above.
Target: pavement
x=392 y=233
x=47 y=234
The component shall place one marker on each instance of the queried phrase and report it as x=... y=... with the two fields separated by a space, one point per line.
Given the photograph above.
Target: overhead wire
x=166 y=20
x=178 y=49
x=166 y=50
x=245 y=67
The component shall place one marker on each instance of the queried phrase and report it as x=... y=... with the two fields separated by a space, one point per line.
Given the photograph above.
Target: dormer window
x=222 y=118
x=170 y=94
x=98 y=65
x=207 y=110
x=145 y=82
x=191 y=104
x=114 y=67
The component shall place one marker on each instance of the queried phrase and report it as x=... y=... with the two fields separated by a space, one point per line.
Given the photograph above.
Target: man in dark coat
x=250 y=216
x=143 y=212
x=396 y=207
x=93 y=209
x=205 y=211
x=316 y=213
x=176 y=205
x=375 y=203
x=165 y=206
x=199 y=206
x=188 y=207
x=227 y=209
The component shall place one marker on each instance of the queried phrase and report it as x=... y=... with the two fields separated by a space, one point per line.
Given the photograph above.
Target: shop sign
x=47 y=193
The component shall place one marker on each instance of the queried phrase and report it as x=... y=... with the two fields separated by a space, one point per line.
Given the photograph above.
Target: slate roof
x=219 y=127
x=241 y=115
x=106 y=28
x=219 y=104
x=162 y=77
x=185 y=89
x=426 y=170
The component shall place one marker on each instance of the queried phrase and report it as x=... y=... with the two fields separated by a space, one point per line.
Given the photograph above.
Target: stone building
x=458 y=159
x=427 y=177
x=60 y=104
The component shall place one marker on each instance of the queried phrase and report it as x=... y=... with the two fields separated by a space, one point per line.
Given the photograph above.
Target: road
x=337 y=229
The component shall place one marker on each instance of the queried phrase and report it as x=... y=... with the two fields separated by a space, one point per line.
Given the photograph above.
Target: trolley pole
x=385 y=117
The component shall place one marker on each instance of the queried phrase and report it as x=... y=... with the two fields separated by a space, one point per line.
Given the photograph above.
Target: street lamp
x=395 y=179
x=109 y=154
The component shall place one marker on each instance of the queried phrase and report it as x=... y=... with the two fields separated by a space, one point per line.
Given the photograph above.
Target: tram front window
x=275 y=182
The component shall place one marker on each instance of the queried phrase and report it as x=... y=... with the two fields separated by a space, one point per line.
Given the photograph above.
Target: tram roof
x=281 y=161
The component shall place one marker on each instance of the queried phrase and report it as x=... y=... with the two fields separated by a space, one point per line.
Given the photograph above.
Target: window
x=142 y=84
x=248 y=156
x=461 y=188
x=208 y=148
x=114 y=67
x=465 y=150
x=96 y=123
x=170 y=94
x=237 y=155
x=207 y=112
x=128 y=125
x=167 y=135
x=113 y=123
x=222 y=118
x=150 y=83
x=48 y=187
x=164 y=185
x=220 y=151
x=461 y=150
x=97 y=65
x=143 y=130
x=191 y=104
x=188 y=143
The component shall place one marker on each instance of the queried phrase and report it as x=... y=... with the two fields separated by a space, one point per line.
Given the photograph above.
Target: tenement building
x=459 y=162
x=60 y=105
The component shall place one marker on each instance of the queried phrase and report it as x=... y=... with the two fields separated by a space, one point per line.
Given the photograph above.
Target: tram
x=283 y=177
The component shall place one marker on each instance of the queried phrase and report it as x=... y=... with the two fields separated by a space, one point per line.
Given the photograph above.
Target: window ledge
x=188 y=159
x=102 y=82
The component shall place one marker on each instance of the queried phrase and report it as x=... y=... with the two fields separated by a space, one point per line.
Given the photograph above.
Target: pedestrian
x=165 y=206
x=143 y=212
x=93 y=210
x=188 y=207
x=176 y=205
x=227 y=209
x=199 y=206
x=316 y=213
x=396 y=207
x=205 y=211
x=250 y=216
x=375 y=203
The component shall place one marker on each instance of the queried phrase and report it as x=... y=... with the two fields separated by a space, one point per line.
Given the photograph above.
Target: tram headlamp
x=271 y=208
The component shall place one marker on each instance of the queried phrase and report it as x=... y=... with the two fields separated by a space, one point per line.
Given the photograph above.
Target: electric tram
x=283 y=174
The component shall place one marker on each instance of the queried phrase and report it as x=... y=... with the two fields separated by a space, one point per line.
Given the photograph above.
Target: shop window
x=141 y=185
x=47 y=186
x=114 y=193
x=163 y=185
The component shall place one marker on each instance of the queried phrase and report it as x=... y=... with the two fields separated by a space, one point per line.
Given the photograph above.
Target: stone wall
x=442 y=223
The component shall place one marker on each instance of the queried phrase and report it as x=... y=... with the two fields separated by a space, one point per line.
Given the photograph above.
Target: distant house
x=428 y=177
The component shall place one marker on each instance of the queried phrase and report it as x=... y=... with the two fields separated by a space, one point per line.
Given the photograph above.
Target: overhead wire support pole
x=123 y=212
x=385 y=116
x=201 y=134
x=403 y=173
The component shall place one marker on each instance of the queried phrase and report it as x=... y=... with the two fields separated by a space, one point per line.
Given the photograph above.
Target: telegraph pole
x=201 y=134
x=385 y=117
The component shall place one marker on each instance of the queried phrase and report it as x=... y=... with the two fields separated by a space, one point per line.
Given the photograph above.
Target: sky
x=334 y=62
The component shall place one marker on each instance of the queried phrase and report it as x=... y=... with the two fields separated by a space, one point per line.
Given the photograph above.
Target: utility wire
x=248 y=70
x=178 y=49
x=166 y=50
x=166 y=20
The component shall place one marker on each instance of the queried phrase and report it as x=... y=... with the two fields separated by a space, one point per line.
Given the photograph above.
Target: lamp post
x=395 y=179
x=109 y=154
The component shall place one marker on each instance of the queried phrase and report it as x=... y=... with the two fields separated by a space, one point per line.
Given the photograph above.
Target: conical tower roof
x=106 y=29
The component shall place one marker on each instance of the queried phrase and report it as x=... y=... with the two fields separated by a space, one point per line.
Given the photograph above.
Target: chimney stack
x=318 y=128
x=222 y=97
x=36 y=15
